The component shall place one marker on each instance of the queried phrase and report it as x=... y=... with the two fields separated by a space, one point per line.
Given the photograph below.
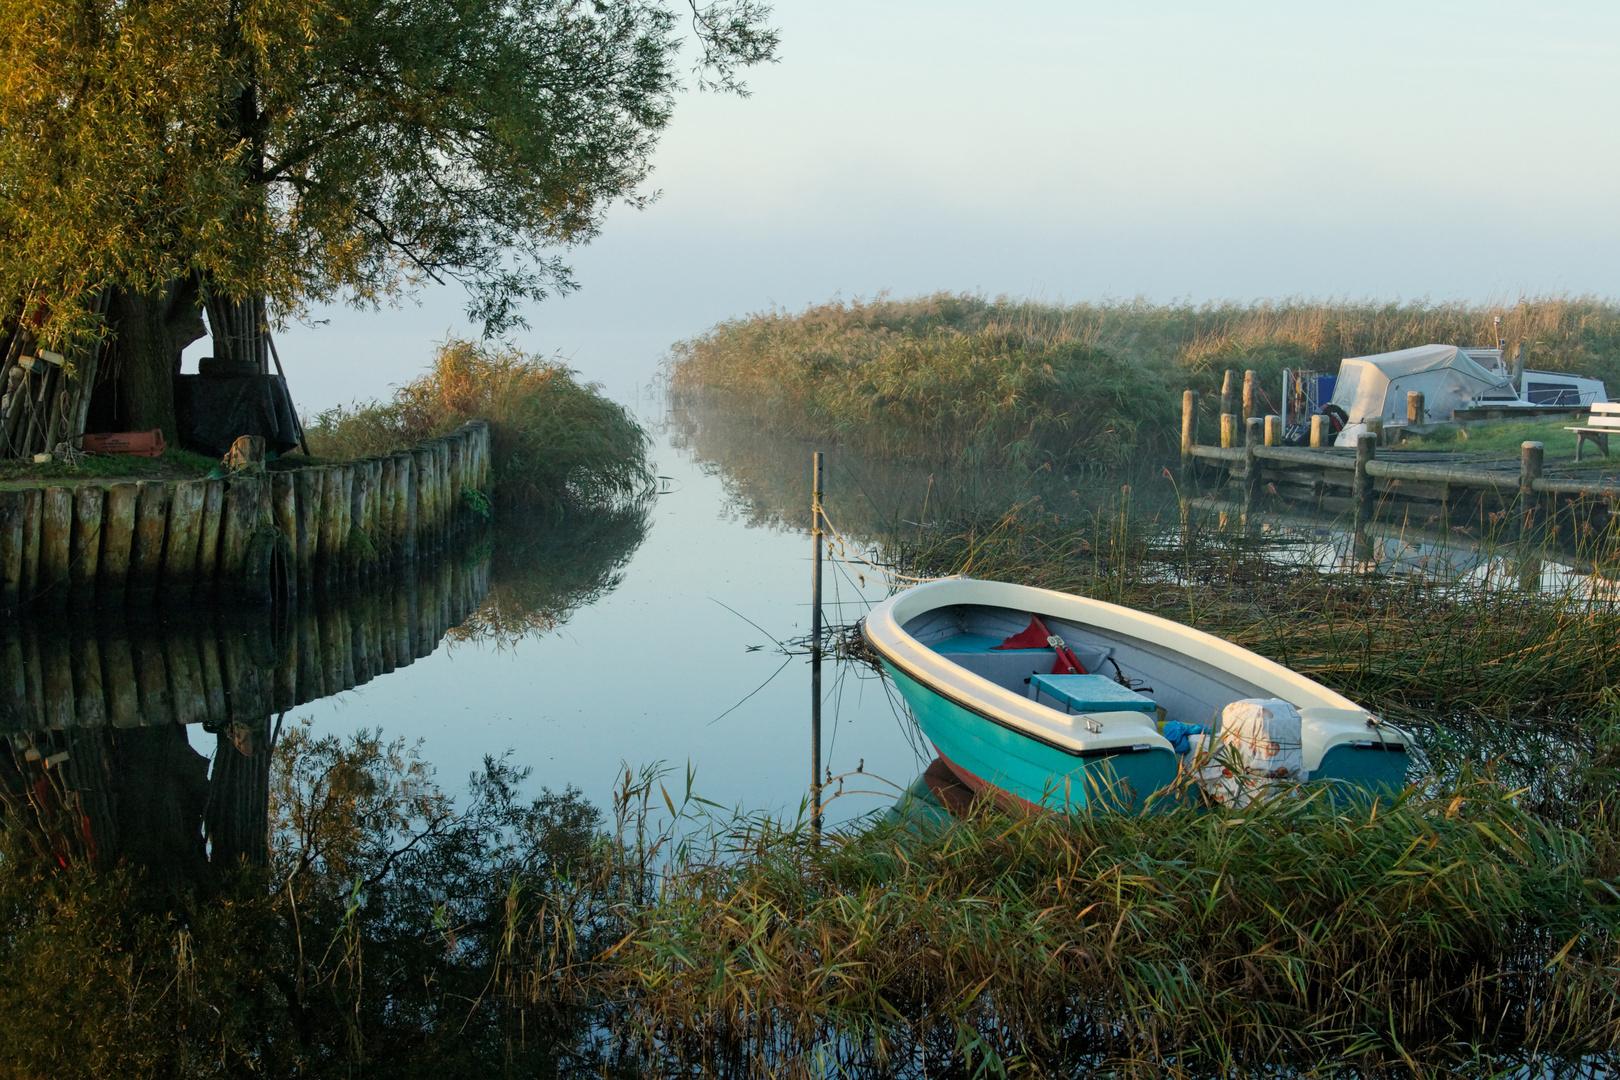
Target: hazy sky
x=1081 y=151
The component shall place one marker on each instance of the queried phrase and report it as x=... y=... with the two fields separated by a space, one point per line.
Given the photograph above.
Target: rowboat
x=1048 y=700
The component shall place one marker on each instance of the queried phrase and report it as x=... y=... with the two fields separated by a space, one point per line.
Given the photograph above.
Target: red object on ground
x=140 y=443
x=1037 y=636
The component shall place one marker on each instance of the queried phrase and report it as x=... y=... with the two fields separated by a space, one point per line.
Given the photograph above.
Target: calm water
x=665 y=666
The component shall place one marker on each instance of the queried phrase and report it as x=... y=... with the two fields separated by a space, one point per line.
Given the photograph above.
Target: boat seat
x=974 y=643
x=1090 y=694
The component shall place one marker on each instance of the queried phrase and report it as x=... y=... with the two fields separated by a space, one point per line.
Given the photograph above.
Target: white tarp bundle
x=1375 y=387
x=1259 y=745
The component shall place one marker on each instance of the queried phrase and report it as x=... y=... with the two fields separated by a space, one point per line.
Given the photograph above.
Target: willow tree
x=182 y=154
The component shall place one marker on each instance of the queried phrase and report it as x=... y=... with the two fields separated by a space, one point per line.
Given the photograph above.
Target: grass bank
x=955 y=377
x=554 y=440
x=1452 y=932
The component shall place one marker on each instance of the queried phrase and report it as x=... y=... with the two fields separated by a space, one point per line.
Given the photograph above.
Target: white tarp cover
x=1375 y=387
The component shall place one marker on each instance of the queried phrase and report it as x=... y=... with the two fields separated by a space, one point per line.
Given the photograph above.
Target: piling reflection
x=96 y=710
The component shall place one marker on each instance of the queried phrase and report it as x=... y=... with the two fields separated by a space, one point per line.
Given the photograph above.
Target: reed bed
x=960 y=377
x=554 y=440
x=1453 y=932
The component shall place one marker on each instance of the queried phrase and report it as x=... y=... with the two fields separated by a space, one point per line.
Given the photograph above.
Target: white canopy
x=1375 y=387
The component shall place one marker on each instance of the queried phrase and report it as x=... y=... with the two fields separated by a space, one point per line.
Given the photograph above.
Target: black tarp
x=214 y=412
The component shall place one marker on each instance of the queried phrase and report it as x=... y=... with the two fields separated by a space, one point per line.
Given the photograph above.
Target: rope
x=893 y=577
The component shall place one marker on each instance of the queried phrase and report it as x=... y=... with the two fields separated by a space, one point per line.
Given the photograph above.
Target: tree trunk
x=150 y=330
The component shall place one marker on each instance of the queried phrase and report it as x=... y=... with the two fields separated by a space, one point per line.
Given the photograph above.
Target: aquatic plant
x=554 y=440
x=953 y=376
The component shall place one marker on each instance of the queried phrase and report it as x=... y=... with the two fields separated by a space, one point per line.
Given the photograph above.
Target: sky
x=1082 y=151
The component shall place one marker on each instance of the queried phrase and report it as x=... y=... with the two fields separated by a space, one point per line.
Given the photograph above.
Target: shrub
x=554 y=440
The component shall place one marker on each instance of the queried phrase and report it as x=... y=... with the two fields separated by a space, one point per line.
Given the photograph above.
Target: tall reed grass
x=951 y=376
x=554 y=440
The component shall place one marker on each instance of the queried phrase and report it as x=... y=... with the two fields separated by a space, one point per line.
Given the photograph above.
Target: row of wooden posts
x=253 y=535
x=230 y=667
x=1309 y=474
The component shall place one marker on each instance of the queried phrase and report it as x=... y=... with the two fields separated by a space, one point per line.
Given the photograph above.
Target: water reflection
x=96 y=710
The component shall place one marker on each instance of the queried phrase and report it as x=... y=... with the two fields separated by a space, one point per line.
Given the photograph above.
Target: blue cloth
x=1180 y=735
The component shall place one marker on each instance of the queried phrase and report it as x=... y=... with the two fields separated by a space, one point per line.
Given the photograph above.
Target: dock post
x=1229 y=392
x=1318 y=431
x=815 y=648
x=1274 y=427
x=1415 y=412
x=1250 y=392
x=1189 y=430
x=1531 y=457
x=1366 y=444
x=1253 y=434
x=1228 y=430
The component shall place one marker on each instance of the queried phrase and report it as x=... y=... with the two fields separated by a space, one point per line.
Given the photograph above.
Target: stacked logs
x=224 y=667
x=254 y=536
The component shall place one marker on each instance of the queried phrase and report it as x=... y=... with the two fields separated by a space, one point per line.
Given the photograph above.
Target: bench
x=1605 y=418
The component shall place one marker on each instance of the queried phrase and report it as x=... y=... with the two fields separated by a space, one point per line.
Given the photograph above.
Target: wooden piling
x=343 y=503
x=1415 y=412
x=404 y=506
x=386 y=493
x=242 y=501
x=1319 y=430
x=374 y=513
x=55 y=545
x=89 y=508
x=209 y=530
x=1189 y=429
x=146 y=555
x=1273 y=430
x=1251 y=387
x=1531 y=457
x=1362 y=487
x=117 y=543
x=307 y=494
x=1253 y=435
x=1229 y=393
x=1229 y=424
x=180 y=546
x=33 y=507
x=284 y=512
x=422 y=461
x=326 y=558
x=12 y=511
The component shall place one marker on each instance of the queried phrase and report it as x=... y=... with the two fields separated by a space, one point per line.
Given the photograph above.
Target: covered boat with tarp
x=1048 y=700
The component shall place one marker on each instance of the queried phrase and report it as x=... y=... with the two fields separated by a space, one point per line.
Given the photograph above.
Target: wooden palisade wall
x=252 y=536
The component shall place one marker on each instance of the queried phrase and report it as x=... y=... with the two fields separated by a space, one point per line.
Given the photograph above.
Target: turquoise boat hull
x=1021 y=769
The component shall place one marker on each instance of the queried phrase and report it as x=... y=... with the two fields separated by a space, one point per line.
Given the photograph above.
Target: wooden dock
x=1373 y=480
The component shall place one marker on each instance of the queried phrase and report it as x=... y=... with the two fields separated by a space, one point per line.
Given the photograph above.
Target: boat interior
x=1185 y=689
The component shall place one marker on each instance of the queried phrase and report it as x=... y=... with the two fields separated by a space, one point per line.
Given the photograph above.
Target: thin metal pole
x=815 y=650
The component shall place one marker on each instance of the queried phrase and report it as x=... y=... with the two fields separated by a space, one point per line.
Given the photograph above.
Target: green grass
x=1502 y=438
x=175 y=464
x=554 y=440
x=955 y=377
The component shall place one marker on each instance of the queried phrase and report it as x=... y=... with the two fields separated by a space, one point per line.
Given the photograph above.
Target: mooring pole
x=815 y=649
